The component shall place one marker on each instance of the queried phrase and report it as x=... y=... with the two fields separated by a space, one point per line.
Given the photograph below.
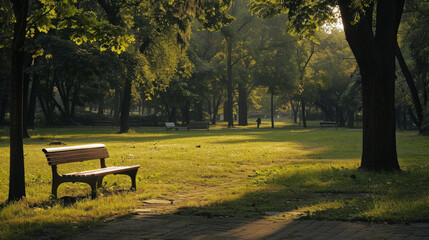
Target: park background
x=89 y=74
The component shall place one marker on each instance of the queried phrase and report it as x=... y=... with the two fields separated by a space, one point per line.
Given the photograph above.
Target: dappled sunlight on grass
x=222 y=172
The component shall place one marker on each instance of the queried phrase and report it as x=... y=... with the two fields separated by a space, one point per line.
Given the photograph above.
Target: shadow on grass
x=330 y=194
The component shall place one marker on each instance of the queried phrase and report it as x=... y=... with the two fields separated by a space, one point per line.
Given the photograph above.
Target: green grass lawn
x=281 y=173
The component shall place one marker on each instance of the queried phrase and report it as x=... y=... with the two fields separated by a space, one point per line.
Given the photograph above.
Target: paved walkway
x=146 y=225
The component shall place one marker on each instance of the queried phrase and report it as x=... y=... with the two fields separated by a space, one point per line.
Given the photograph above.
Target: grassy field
x=282 y=173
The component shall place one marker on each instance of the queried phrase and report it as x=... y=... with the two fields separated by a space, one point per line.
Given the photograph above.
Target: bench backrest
x=80 y=153
x=170 y=124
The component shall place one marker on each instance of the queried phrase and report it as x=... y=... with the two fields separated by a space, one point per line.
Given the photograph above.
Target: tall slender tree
x=17 y=176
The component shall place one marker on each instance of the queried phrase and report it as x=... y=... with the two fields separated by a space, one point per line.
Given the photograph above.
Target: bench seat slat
x=75 y=152
x=74 y=159
x=62 y=149
x=75 y=155
x=102 y=171
x=88 y=155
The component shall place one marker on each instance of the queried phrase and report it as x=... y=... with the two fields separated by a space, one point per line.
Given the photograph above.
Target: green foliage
x=83 y=25
x=6 y=23
x=304 y=17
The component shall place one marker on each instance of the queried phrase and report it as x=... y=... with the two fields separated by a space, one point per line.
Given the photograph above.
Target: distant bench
x=94 y=178
x=328 y=124
x=198 y=125
x=170 y=125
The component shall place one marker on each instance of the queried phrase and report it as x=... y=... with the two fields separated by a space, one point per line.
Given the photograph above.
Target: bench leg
x=55 y=185
x=132 y=175
x=100 y=181
x=93 y=185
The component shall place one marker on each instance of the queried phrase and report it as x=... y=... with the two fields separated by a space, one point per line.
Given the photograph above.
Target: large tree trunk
x=242 y=105
x=375 y=55
x=126 y=105
x=17 y=176
x=229 y=113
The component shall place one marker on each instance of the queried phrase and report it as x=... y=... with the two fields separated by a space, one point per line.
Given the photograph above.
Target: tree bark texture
x=375 y=55
x=17 y=176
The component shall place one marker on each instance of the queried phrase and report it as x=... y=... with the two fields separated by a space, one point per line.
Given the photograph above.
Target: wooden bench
x=328 y=124
x=198 y=125
x=170 y=125
x=94 y=178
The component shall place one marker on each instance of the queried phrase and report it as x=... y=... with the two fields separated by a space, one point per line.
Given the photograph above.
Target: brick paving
x=146 y=225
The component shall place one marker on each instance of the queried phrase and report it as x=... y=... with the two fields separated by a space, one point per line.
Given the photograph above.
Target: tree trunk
x=303 y=117
x=125 y=107
x=225 y=110
x=412 y=86
x=242 y=105
x=17 y=175
x=229 y=114
x=375 y=55
x=295 y=109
